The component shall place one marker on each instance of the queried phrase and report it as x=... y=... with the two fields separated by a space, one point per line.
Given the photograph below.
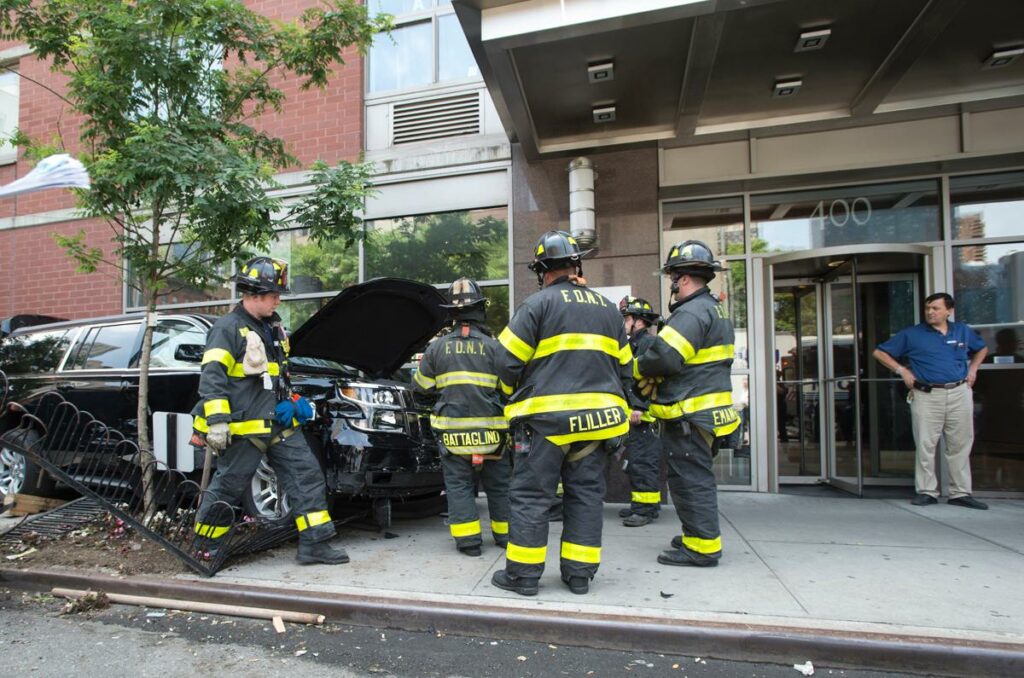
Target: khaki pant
x=949 y=413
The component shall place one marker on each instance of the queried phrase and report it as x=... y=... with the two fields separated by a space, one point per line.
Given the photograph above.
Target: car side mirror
x=189 y=353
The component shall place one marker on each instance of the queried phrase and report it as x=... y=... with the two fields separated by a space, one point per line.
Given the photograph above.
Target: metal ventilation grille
x=436 y=118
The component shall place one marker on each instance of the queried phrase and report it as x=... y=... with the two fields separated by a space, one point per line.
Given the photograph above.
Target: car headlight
x=384 y=396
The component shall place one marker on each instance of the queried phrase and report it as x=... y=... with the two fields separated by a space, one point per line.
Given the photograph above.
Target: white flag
x=56 y=171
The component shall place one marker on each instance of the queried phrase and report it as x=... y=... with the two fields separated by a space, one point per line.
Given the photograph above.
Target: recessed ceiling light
x=786 y=88
x=1003 y=56
x=601 y=72
x=604 y=113
x=812 y=40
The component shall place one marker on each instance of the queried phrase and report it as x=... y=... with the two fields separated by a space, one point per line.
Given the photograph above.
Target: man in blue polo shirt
x=943 y=359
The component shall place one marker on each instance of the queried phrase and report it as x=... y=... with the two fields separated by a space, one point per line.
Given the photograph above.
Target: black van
x=369 y=436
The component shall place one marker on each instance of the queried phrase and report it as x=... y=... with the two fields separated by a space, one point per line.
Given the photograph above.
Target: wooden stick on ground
x=197 y=606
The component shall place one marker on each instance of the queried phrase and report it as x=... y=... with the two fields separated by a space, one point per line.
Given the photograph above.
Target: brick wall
x=36 y=276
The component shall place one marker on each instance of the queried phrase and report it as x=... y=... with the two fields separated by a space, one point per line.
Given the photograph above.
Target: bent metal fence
x=99 y=462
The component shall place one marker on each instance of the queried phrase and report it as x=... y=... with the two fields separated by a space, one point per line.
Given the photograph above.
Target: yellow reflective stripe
x=645 y=497
x=463 y=423
x=465 y=529
x=625 y=355
x=312 y=519
x=423 y=380
x=647 y=417
x=528 y=555
x=691 y=405
x=515 y=345
x=469 y=378
x=505 y=388
x=703 y=545
x=595 y=434
x=636 y=370
x=713 y=354
x=219 y=355
x=582 y=554
x=211 y=531
x=572 y=341
x=563 y=403
x=473 y=449
x=678 y=342
x=248 y=428
x=238 y=370
x=727 y=428
x=216 y=406
x=499 y=527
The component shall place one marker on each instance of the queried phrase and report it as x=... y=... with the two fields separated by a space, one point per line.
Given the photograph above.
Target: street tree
x=170 y=94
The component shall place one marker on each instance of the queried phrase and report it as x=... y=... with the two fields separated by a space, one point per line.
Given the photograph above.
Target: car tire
x=263 y=498
x=18 y=473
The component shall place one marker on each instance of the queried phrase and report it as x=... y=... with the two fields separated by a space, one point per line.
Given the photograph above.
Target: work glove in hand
x=218 y=437
x=303 y=410
x=284 y=412
x=255 y=360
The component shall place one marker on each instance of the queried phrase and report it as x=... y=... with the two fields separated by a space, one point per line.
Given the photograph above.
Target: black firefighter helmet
x=640 y=308
x=261 y=275
x=464 y=294
x=556 y=249
x=691 y=257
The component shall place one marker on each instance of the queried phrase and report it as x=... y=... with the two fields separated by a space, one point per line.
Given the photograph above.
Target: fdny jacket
x=226 y=393
x=693 y=352
x=459 y=367
x=565 y=364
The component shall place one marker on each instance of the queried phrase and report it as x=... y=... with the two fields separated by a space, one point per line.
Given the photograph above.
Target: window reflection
x=403 y=59
x=316 y=267
x=732 y=465
x=454 y=60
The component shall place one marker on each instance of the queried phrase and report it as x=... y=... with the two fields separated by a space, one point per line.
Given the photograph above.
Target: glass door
x=841 y=383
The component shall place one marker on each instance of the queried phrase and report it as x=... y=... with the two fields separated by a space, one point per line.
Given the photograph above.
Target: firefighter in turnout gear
x=565 y=365
x=467 y=418
x=247 y=410
x=687 y=371
x=643 y=447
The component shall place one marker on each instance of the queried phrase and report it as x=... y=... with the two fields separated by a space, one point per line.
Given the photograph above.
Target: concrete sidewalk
x=833 y=565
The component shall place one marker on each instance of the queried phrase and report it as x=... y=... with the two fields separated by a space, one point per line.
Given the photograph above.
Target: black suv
x=369 y=436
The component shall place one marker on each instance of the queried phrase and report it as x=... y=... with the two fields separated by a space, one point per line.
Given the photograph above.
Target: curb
x=777 y=644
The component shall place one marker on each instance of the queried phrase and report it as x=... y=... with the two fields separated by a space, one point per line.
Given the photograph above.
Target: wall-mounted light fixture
x=812 y=40
x=786 y=88
x=1003 y=56
x=604 y=113
x=601 y=72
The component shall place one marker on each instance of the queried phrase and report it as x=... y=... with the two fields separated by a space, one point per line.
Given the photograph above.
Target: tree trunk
x=146 y=457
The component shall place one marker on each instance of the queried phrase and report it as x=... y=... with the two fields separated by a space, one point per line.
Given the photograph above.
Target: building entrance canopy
x=571 y=75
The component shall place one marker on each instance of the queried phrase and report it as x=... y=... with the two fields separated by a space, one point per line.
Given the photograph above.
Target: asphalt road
x=127 y=641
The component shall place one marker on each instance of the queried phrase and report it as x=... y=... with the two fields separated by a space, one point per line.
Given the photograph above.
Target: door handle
x=129 y=386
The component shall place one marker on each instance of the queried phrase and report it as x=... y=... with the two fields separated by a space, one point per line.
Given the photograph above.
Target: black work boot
x=686 y=557
x=321 y=552
x=524 y=586
x=473 y=551
x=924 y=500
x=637 y=520
x=626 y=512
x=969 y=502
x=677 y=542
x=578 y=585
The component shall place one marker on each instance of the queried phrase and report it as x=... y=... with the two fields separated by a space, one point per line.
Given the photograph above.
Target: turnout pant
x=298 y=475
x=459 y=484
x=643 y=450
x=537 y=468
x=689 y=453
x=945 y=413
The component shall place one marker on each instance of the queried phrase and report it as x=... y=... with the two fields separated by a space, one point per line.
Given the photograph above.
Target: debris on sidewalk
x=19 y=556
x=92 y=600
x=278 y=624
x=807 y=668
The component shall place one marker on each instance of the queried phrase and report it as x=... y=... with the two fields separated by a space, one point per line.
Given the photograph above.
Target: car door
x=173 y=377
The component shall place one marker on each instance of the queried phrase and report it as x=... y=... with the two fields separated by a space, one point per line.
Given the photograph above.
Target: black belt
x=927 y=387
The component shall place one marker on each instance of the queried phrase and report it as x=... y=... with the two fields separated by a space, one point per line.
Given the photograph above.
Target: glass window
x=297 y=311
x=403 y=60
x=9 y=93
x=313 y=267
x=168 y=335
x=33 y=353
x=178 y=291
x=987 y=206
x=397 y=7
x=717 y=222
x=109 y=347
x=454 y=59
x=497 y=308
x=802 y=220
x=732 y=465
x=438 y=248
x=988 y=285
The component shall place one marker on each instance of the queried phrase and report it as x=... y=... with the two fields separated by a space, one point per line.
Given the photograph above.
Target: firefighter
x=468 y=418
x=643 y=447
x=247 y=409
x=565 y=365
x=687 y=372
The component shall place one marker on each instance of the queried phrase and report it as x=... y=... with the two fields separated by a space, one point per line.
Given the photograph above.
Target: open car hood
x=374 y=326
